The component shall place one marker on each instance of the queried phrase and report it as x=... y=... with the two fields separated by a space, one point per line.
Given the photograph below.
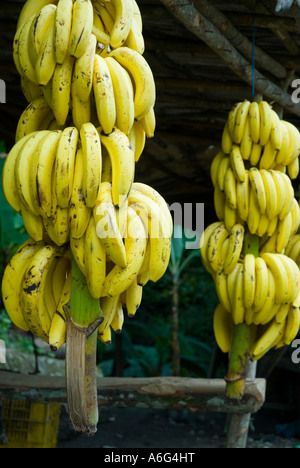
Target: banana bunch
x=253 y=193
x=85 y=71
x=36 y=286
x=120 y=251
x=262 y=292
x=263 y=139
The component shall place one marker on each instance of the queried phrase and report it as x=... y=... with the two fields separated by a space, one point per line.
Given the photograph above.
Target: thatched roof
x=200 y=72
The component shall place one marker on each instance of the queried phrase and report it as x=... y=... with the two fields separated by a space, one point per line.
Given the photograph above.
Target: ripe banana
x=133 y=298
x=107 y=228
x=32 y=292
x=119 y=279
x=12 y=281
x=82 y=27
x=142 y=76
x=58 y=328
x=95 y=260
x=270 y=337
x=254 y=121
x=92 y=163
x=104 y=95
x=223 y=328
x=46 y=62
x=237 y=164
x=63 y=27
x=258 y=189
x=122 y=22
x=265 y=122
x=240 y=122
x=65 y=166
x=44 y=171
x=31 y=118
x=124 y=95
x=61 y=89
x=123 y=164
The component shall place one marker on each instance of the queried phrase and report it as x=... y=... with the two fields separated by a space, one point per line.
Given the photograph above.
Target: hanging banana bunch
x=254 y=199
x=96 y=236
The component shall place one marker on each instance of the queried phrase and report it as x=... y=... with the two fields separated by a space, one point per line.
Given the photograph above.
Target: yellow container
x=30 y=424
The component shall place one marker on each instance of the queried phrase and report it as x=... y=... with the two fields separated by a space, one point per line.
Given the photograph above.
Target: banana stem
x=83 y=318
x=239 y=354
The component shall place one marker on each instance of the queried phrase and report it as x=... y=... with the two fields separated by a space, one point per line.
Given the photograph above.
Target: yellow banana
x=79 y=213
x=232 y=117
x=276 y=136
x=109 y=307
x=23 y=167
x=44 y=171
x=220 y=280
x=204 y=239
x=214 y=167
x=122 y=22
x=283 y=153
x=26 y=66
x=292 y=325
x=63 y=26
x=78 y=251
x=274 y=263
x=246 y=143
x=237 y=164
x=243 y=197
x=12 y=281
x=268 y=157
x=135 y=38
x=104 y=95
x=240 y=122
x=226 y=140
x=81 y=111
x=263 y=315
x=289 y=196
x=118 y=319
x=142 y=76
x=137 y=138
x=223 y=166
x=230 y=188
x=235 y=246
x=219 y=203
x=32 y=117
x=58 y=328
x=123 y=164
x=254 y=211
x=99 y=29
x=119 y=279
x=107 y=226
x=284 y=232
x=268 y=340
x=265 y=122
x=8 y=175
x=65 y=166
x=32 y=292
x=61 y=90
x=258 y=189
x=46 y=62
x=261 y=284
x=82 y=27
x=133 y=297
x=92 y=163
x=272 y=209
x=254 y=120
x=256 y=153
x=214 y=247
x=293 y=169
x=124 y=95
x=223 y=328
x=95 y=260
x=84 y=71
x=148 y=123
x=31 y=7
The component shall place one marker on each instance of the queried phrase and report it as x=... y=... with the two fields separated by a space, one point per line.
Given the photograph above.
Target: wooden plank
x=158 y=392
